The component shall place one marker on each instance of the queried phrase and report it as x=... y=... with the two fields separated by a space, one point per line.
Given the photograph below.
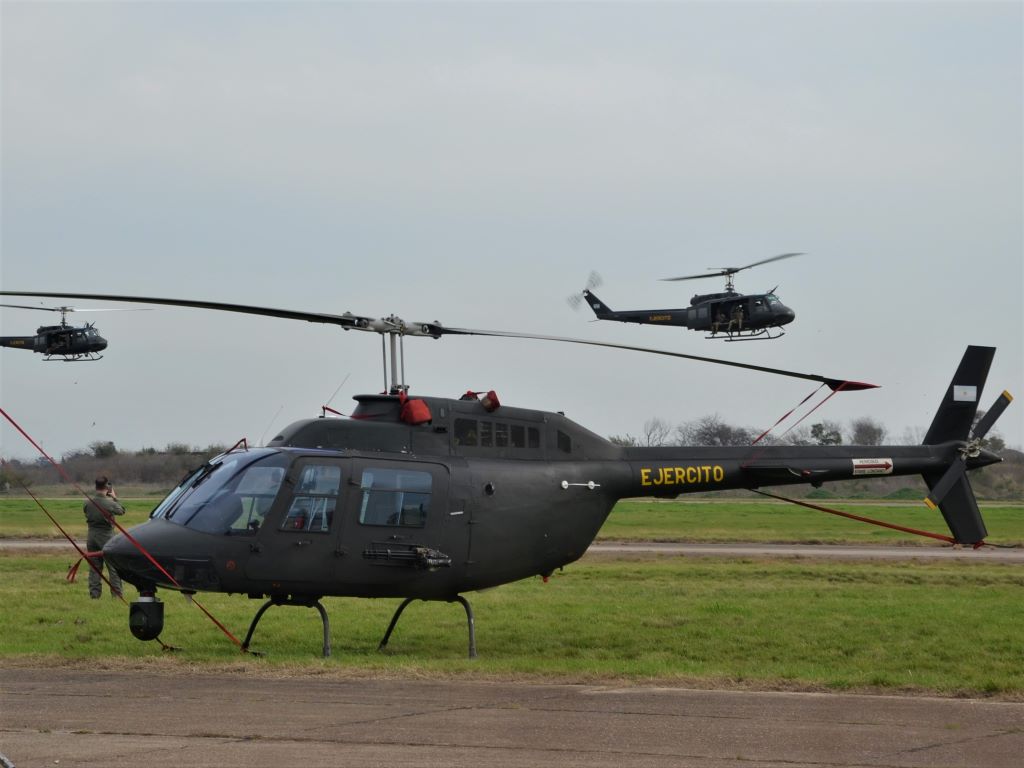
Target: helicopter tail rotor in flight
x=593 y=281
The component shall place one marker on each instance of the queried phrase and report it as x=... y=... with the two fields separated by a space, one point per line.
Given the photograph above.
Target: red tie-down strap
x=110 y=518
x=86 y=557
x=860 y=518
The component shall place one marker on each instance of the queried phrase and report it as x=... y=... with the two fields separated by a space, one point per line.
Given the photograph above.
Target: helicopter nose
x=785 y=315
x=101 y=343
x=152 y=563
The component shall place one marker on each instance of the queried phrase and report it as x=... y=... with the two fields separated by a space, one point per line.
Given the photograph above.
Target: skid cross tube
x=457 y=599
x=300 y=602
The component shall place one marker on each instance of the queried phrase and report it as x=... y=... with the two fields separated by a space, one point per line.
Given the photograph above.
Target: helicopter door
x=299 y=538
x=759 y=313
x=397 y=526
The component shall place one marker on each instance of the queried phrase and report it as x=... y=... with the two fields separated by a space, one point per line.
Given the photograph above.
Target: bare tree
x=712 y=430
x=798 y=436
x=826 y=433
x=627 y=440
x=913 y=435
x=656 y=432
x=867 y=431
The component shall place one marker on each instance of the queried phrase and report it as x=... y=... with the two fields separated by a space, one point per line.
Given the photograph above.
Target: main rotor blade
x=346 y=321
x=734 y=270
x=436 y=330
x=25 y=306
x=991 y=415
x=834 y=384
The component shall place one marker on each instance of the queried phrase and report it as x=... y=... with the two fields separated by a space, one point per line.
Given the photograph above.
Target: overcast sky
x=471 y=163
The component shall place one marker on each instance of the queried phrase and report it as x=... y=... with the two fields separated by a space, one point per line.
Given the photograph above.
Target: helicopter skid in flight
x=754 y=334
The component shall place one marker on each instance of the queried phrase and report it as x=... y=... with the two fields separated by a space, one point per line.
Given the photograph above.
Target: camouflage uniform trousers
x=94 y=543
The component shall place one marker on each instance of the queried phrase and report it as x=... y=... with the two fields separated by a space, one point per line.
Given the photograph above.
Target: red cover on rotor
x=414 y=411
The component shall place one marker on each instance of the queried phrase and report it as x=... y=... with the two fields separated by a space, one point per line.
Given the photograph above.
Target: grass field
x=634 y=520
x=947 y=628
x=952 y=628
x=770 y=521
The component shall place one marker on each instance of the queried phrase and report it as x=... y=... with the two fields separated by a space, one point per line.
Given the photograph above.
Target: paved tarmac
x=71 y=717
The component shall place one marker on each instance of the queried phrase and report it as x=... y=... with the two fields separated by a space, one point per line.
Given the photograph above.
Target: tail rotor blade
x=993 y=413
x=593 y=281
x=946 y=482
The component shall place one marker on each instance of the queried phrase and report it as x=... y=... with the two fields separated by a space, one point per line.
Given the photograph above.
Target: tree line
x=713 y=430
x=147 y=466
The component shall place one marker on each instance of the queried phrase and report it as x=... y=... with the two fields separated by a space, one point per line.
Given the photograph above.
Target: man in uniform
x=100 y=532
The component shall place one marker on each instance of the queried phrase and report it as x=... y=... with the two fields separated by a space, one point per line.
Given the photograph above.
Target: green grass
x=21 y=517
x=770 y=521
x=635 y=520
x=948 y=628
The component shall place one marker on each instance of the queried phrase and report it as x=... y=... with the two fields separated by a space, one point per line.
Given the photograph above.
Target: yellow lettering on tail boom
x=689 y=475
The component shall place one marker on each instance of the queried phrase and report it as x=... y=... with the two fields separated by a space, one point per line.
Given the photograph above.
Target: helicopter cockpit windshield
x=228 y=495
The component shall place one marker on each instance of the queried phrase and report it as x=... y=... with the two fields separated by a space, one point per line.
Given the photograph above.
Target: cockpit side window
x=316 y=498
x=230 y=496
x=395 y=497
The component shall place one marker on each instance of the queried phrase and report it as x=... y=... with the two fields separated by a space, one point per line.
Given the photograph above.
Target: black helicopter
x=429 y=498
x=59 y=342
x=729 y=316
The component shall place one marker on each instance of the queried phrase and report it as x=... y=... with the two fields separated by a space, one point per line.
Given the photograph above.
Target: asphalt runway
x=73 y=717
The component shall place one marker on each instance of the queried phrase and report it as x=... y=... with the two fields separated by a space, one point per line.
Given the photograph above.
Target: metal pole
x=394 y=362
x=401 y=356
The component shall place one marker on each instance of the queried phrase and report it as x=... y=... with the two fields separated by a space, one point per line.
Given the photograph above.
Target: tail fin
x=953 y=421
x=956 y=414
x=601 y=309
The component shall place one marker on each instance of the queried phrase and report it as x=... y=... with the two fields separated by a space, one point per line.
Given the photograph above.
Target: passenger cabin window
x=395 y=497
x=518 y=436
x=500 y=435
x=316 y=497
x=564 y=443
x=495 y=434
x=465 y=432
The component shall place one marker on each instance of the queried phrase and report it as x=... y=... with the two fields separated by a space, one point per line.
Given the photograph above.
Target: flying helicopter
x=60 y=342
x=727 y=316
x=430 y=498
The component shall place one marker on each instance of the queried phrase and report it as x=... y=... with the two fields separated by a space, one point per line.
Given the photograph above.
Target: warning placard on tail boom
x=963 y=393
x=872 y=466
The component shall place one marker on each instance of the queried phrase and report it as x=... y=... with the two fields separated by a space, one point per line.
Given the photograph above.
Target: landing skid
x=456 y=599
x=72 y=358
x=761 y=334
x=307 y=602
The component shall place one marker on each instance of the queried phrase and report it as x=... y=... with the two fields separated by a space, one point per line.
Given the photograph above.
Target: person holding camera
x=101 y=530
